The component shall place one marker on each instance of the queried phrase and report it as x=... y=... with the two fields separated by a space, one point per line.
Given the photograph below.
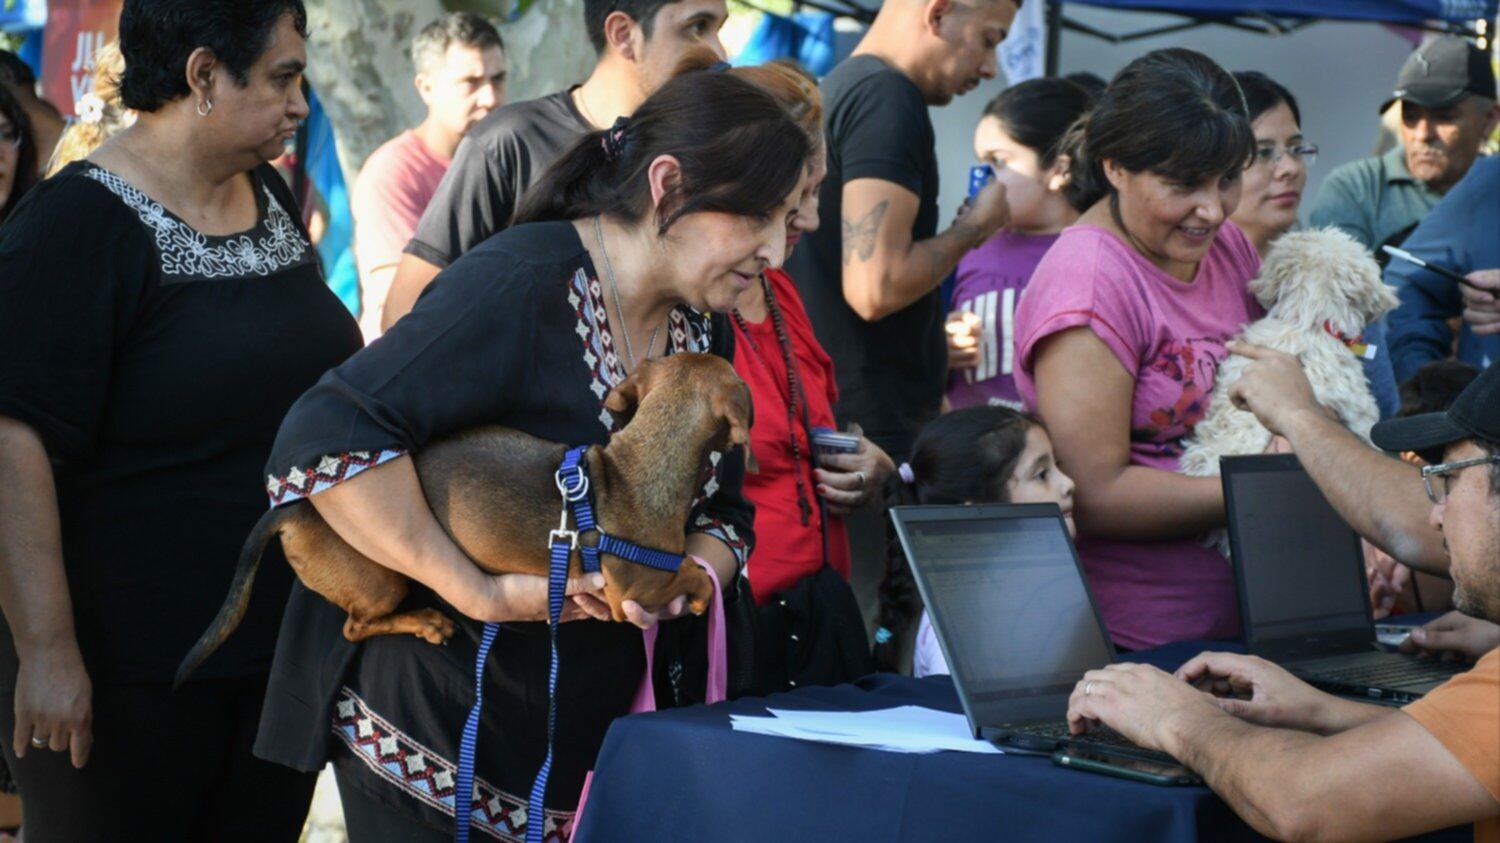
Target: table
x=685 y=775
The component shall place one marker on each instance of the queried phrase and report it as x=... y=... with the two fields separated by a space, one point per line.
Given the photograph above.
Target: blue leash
x=573 y=484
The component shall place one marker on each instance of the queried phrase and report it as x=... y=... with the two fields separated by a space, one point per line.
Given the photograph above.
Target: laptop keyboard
x=1101 y=735
x=1379 y=670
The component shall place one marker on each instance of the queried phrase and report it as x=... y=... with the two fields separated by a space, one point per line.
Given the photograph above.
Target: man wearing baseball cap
x=1297 y=763
x=1446 y=93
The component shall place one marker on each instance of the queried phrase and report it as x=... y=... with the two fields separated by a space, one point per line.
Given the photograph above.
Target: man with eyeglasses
x=1446 y=93
x=1297 y=763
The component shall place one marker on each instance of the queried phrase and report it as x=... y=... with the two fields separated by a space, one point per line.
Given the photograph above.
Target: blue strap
x=573 y=484
x=632 y=552
x=463 y=790
x=557 y=584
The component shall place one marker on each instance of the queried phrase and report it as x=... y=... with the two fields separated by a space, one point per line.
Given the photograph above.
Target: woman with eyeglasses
x=17 y=153
x=1271 y=193
x=1271 y=190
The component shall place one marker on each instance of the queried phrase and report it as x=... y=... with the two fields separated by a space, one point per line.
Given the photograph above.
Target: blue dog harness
x=573 y=484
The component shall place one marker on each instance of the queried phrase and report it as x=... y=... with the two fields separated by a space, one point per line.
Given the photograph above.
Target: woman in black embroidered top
x=160 y=310
x=624 y=243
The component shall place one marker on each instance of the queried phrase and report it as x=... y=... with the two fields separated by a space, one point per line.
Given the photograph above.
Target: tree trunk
x=360 y=63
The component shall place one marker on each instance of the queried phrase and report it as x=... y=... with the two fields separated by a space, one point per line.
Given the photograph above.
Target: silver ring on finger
x=1088 y=687
x=860 y=475
x=39 y=743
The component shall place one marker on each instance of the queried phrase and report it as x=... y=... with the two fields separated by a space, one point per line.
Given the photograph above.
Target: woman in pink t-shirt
x=1121 y=332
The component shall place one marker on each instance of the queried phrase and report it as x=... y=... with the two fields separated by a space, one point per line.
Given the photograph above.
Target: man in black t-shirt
x=639 y=43
x=871 y=284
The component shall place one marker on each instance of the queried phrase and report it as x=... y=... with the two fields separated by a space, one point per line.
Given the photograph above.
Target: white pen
x=1443 y=271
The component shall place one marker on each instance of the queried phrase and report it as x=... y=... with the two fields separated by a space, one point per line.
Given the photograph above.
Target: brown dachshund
x=494 y=492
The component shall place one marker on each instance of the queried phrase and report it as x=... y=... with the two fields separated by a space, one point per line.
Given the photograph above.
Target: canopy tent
x=1270 y=18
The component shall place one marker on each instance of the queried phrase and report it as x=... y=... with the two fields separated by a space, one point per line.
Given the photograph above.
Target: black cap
x=1442 y=72
x=1475 y=413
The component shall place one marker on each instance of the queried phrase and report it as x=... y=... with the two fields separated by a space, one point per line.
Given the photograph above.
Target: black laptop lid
x=1299 y=566
x=1009 y=603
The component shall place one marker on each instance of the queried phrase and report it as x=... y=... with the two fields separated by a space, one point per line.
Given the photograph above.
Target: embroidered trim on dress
x=429 y=778
x=330 y=471
x=186 y=253
x=726 y=533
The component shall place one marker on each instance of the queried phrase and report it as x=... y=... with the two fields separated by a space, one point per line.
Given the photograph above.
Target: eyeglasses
x=1270 y=156
x=10 y=136
x=1436 y=476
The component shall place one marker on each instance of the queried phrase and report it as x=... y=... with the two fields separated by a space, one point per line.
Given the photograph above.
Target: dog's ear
x=623 y=399
x=733 y=406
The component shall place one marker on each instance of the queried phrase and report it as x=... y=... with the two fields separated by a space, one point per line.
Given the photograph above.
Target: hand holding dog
x=1273 y=387
x=1482 y=301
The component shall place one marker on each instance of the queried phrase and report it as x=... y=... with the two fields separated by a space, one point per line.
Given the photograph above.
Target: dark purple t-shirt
x=990 y=282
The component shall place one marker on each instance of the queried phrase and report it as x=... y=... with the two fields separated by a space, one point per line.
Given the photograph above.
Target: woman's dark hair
x=738 y=150
x=1170 y=112
x=966 y=456
x=1091 y=82
x=158 y=36
x=1037 y=113
x=25 y=176
x=1262 y=93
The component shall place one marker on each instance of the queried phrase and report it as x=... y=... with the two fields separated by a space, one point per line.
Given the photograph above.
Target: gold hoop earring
x=205 y=108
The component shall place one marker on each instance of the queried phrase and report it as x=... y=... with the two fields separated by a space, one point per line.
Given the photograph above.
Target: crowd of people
x=173 y=358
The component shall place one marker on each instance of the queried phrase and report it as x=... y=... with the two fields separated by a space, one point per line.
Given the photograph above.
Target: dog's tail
x=233 y=610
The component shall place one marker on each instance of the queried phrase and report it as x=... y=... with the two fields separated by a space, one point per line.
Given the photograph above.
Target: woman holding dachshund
x=618 y=252
x=160 y=310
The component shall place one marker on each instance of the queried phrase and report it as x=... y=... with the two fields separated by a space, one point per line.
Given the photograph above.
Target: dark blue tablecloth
x=685 y=775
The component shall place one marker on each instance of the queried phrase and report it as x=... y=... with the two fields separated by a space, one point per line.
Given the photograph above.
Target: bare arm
x=1382 y=498
x=1381 y=776
x=1298 y=786
x=1089 y=421
x=383 y=514
x=884 y=270
x=375 y=289
x=412 y=277
x=53 y=692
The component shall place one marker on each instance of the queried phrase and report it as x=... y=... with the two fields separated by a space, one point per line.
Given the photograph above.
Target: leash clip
x=568 y=537
x=572 y=483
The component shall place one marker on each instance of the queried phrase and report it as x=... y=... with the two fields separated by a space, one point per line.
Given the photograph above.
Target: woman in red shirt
x=809 y=626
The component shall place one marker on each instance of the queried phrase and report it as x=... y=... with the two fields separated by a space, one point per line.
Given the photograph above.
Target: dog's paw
x=433 y=626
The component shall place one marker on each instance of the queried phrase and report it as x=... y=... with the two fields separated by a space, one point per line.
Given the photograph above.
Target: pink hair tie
x=907 y=475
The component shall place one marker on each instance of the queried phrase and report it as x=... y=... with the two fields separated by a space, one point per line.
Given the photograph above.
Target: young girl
x=975 y=455
x=1020 y=136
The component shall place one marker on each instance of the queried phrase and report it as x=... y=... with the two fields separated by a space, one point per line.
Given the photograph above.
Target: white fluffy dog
x=1320 y=289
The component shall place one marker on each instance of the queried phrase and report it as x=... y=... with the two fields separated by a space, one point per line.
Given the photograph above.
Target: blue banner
x=1385 y=11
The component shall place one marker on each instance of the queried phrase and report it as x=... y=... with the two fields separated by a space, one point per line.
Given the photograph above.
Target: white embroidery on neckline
x=185 y=252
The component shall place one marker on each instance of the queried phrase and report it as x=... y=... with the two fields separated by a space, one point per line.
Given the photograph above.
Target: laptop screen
x=1301 y=568
x=1007 y=599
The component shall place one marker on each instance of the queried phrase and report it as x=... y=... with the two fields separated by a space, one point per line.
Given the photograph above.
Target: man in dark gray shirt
x=639 y=43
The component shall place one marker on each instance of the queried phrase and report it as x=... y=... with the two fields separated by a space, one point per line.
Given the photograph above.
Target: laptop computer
x=1304 y=599
x=1017 y=623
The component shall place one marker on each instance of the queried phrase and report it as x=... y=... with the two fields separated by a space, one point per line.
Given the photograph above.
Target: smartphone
x=828 y=441
x=979 y=176
x=1135 y=769
x=1392 y=635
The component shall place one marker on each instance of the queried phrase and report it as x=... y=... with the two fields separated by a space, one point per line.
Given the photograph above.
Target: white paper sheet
x=905 y=729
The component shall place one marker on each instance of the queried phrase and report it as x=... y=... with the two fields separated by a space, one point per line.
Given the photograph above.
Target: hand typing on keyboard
x=1139 y=701
x=1258 y=691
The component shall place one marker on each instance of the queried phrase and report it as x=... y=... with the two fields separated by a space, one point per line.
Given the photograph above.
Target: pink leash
x=718 y=671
